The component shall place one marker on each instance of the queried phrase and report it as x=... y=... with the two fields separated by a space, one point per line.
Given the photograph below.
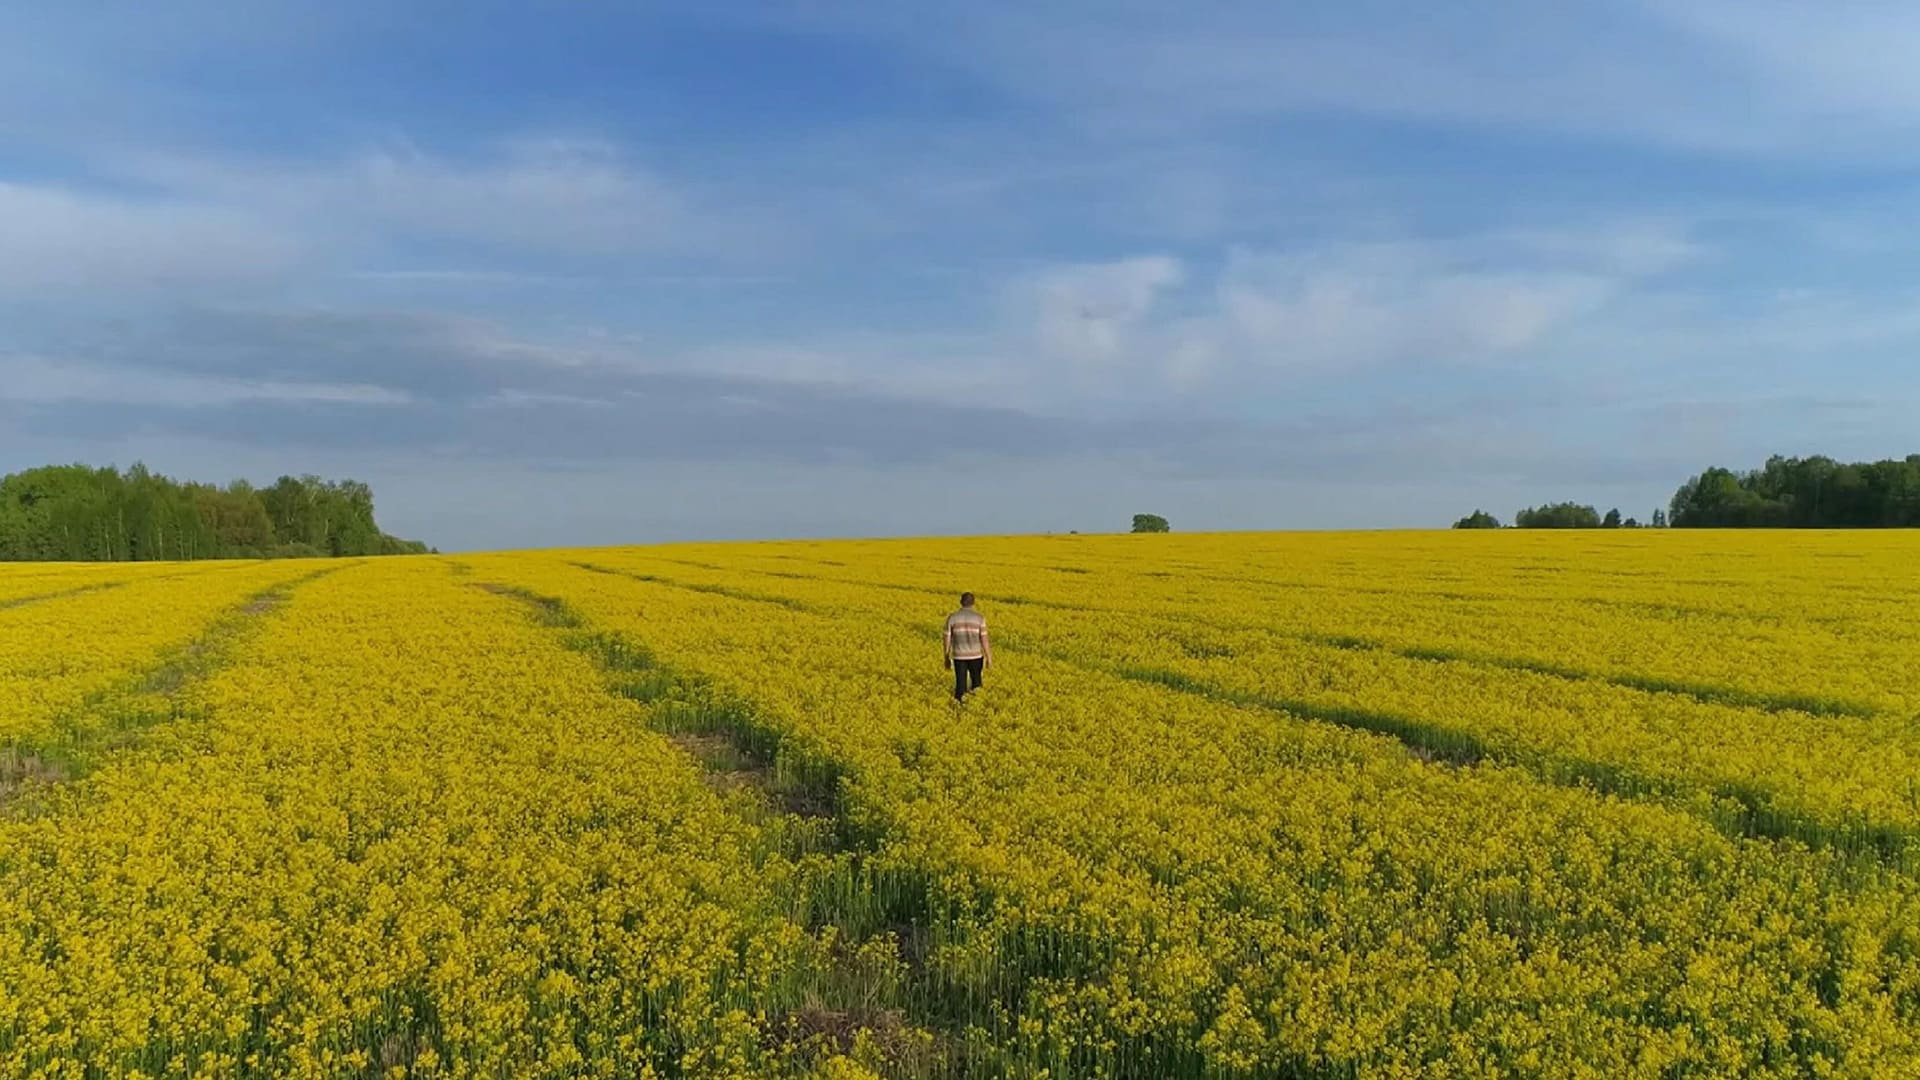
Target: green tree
x=237 y=519
x=75 y=512
x=1479 y=519
x=1811 y=492
x=335 y=518
x=1612 y=520
x=1564 y=515
x=1150 y=523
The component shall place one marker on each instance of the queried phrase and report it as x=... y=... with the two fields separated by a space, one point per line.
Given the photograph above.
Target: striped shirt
x=967 y=634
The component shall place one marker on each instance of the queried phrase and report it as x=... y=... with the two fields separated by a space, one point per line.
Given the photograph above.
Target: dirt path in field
x=103 y=586
x=116 y=718
x=1704 y=692
x=60 y=594
x=1738 y=812
x=795 y=802
x=737 y=757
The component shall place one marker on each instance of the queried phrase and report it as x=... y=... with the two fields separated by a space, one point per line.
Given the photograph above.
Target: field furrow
x=1843 y=782
x=67 y=662
x=1094 y=835
x=1329 y=807
x=1647 y=629
x=420 y=837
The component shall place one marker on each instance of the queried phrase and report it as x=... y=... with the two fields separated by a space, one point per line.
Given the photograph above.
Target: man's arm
x=986 y=646
x=946 y=643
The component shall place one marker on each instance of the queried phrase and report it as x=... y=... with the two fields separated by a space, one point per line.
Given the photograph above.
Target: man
x=967 y=649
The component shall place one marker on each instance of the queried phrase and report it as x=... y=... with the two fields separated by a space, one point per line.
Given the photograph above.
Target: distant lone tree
x=1558 y=516
x=1612 y=520
x=1659 y=519
x=1150 y=523
x=1479 y=519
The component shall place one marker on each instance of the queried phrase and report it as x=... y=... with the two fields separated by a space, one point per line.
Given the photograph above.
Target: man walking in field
x=968 y=652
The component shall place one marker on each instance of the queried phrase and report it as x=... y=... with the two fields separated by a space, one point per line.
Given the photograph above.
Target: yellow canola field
x=407 y=834
x=1816 y=618
x=23 y=583
x=1156 y=884
x=1844 y=780
x=1380 y=805
x=59 y=656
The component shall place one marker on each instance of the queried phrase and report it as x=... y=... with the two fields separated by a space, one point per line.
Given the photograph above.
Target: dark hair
x=966 y=599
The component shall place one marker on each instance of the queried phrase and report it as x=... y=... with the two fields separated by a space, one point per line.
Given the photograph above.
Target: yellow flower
x=1383 y=805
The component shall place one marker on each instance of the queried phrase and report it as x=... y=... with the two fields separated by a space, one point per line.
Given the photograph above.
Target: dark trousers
x=963 y=671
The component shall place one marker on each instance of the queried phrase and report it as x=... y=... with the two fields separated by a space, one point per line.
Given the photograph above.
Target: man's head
x=966 y=599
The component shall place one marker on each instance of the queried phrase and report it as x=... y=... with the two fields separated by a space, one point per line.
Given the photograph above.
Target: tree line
x=84 y=514
x=1787 y=493
x=1804 y=493
x=1564 y=515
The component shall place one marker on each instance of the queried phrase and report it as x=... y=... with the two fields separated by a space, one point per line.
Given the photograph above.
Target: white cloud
x=1629 y=248
x=177 y=227
x=1356 y=308
x=53 y=237
x=516 y=206
x=1088 y=313
x=540 y=195
x=1134 y=329
x=1846 y=62
x=36 y=380
x=527 y=399
x=526 y=294
x=1158 y=331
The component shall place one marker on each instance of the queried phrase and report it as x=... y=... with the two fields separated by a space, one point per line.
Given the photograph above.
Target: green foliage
x=1814 y=492
x=83 y=514
x=1612 y=520
x=1150 y=523
x=1479 y=519
x=1564 y=515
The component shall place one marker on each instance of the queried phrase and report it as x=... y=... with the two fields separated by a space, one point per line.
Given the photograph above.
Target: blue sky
x=617 y=272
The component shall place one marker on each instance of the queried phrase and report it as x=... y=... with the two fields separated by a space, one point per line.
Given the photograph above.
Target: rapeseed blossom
x=1382 y=805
